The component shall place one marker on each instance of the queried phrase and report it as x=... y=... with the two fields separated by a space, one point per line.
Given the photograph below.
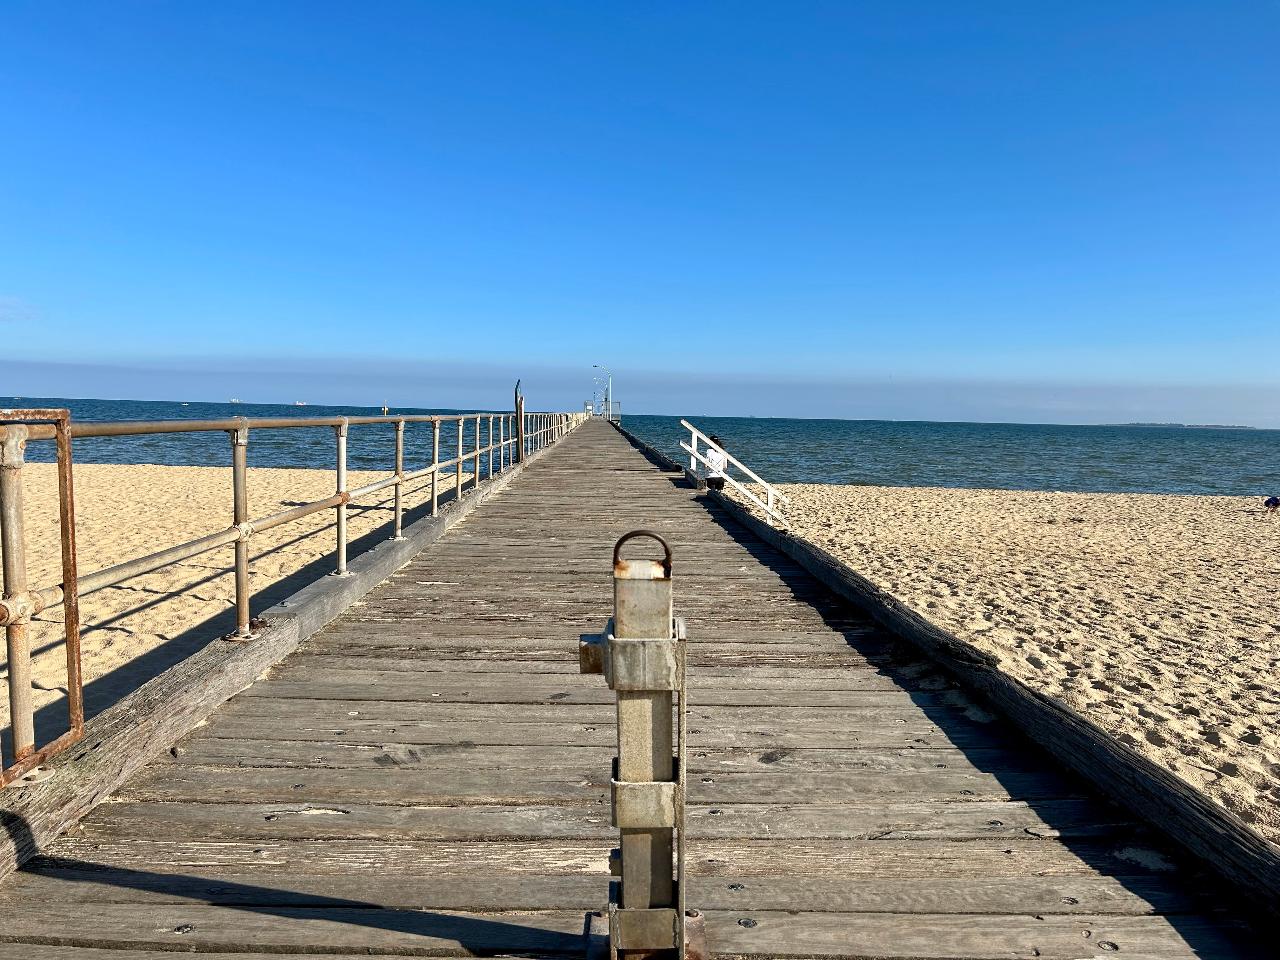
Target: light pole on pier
x=608 y=390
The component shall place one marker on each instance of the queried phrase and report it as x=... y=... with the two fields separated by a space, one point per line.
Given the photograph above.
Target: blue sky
x=1013 y=211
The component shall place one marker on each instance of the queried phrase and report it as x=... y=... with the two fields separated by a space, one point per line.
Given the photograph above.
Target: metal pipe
x=240 y=514
x=17 y=636
x=341 y=550
x=398 y=528
x=297 y=513
x=110 y=576
x=457 y=471
x=137 y=428
x=489 y=445
x=368 y=488
x=70 y=576
x=435 y=464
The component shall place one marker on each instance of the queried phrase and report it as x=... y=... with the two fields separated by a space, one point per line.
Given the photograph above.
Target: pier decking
x=429 y=776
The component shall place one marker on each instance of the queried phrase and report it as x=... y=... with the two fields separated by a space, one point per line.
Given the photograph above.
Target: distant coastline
x=1184 y=426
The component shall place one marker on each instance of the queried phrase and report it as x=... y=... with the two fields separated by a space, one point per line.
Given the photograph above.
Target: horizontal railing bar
x=373 y=487
x=113 y=575
x=297 y=513
x=137 y=428
x=110 y=576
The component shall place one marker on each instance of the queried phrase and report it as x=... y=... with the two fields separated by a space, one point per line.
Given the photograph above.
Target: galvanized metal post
x=457 y=467
x=519 y=424
x=13 y=444
x=435 y=467
x=240 y=517
x=398 y=527
x=341 y=431
x=642 y=658
x=475 y=471
x=489 y=445
x=502 y=443
x=642 y=609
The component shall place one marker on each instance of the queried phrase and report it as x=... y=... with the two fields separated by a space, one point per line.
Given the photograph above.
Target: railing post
x=475 y=470
x=489 y=445
x=240 y=517
x=435 y=463
x=641 y=655
x=457 y=467
x=13 y=443
x=341 y=431
x=398 y=529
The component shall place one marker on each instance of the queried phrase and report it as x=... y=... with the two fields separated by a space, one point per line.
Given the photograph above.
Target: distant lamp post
x=608 y=390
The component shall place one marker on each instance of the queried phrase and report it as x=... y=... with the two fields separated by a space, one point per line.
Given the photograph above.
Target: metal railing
x=500 y=439
x=773 y=496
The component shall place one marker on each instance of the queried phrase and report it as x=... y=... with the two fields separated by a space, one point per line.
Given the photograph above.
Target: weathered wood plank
x=890 y=820
x=424 y=932
x=1134 y=895
x=981 y=858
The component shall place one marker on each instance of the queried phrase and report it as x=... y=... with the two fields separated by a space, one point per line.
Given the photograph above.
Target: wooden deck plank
x=429 y=776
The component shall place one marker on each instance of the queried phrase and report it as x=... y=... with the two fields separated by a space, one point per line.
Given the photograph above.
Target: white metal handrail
x=772 y=494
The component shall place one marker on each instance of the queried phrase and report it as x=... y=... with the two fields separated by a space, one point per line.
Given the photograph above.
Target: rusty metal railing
x=504 y=439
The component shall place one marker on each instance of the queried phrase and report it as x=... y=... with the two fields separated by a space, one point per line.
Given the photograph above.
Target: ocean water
x=1127 y=459
x=880 y=452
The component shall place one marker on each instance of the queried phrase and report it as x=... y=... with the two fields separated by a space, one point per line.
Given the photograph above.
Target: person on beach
x=717 y=463
x=1272 y=504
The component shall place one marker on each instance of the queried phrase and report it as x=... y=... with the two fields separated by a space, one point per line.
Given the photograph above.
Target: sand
x=134 y=631
x=1156 y=617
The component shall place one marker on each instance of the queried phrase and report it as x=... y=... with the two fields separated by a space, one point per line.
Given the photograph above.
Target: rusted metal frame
x=70 y=576
x=19 y=604
x=340 y=550
x=240 y=515
x=397 y=529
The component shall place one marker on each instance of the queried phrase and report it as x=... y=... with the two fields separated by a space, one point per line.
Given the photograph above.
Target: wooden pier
x=429 y=776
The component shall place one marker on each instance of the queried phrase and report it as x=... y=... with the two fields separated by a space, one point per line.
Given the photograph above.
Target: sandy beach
x=136 y=630
x=1157 y=617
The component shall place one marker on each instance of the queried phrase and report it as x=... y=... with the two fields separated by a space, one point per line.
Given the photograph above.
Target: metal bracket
x=606 y=933
x=631 y=663
x=643 y=806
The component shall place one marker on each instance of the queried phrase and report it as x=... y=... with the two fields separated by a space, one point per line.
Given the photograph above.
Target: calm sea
x=996 y=455
x=881 y=452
